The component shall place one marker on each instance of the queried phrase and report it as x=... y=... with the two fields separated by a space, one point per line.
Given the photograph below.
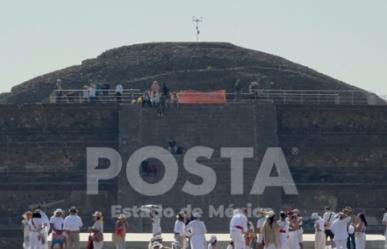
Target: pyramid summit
x=182 y=65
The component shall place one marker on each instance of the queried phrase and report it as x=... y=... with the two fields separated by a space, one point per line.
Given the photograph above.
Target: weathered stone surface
x=336 y=155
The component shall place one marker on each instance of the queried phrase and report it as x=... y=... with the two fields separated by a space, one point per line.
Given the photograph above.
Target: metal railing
x=130 y=96
x=338 y=97
x=102 y=96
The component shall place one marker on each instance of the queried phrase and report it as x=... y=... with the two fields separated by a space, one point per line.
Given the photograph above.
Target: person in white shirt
x=156 y=223
x=339 y=229
x=92 y=92
x=178 y=230
x=319 y=235
x=300 y=229
x=85 y=94
x=56 y=222
x=46 y=225
x=27 y=216
x=36 y=230
x=294 y=242
x=360 y=231
x=238 y=226
x=328 y=217
x=196 y=230
x=97 y=230
x=261 y=220
x=284 y=231
x=119 y=91
x=72 y=225
x=351 y=244
x=384 y=221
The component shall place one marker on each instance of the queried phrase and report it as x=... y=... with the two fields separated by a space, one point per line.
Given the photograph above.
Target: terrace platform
x=141 y=240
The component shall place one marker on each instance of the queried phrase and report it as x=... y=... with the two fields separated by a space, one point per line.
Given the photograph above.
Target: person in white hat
x=178 y=230
x=26 y=232
x=196 y=230
x=97 y=230
x=319 y=235
x=300 y=230
x=121 y=228
x=261 y=215
x=339 y=229
x=238 y=227
x=270 y=232
x=56 y=223
x=293 y=241
x=213 y=243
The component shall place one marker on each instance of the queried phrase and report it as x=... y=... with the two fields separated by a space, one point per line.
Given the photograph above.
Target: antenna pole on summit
x=197 y=21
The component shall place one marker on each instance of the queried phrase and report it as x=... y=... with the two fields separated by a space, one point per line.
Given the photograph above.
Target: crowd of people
x=341 y=230
x=158 y=96
x=286 y=231
x=90 y=93
x=65 y=229
x=102 y=92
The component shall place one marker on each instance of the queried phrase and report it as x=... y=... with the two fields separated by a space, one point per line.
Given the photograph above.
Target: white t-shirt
x=179 y=228
x=284 y=226
x=119 y=89
x=156 y=227
x=320 y=222
x=72 y=223
x=339 y=228
x=44 y=218
x=237 y=222
x=57 y=222
x=35 y=225
x=92 y=92
x=196 y=228
x=351 y=229
x=98 y=225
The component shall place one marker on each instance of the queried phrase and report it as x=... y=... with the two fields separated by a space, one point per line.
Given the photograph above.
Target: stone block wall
x=336 y=155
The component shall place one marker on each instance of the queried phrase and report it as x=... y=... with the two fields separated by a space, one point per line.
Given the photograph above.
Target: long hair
x=362 y=218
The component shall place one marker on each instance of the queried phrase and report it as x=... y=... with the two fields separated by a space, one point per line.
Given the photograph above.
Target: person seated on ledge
x=172 y=147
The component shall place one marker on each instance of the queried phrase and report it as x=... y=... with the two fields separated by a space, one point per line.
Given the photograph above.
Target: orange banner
x=198 y=97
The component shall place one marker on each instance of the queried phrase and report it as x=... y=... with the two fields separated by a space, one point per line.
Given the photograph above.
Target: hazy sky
x=346 y=39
